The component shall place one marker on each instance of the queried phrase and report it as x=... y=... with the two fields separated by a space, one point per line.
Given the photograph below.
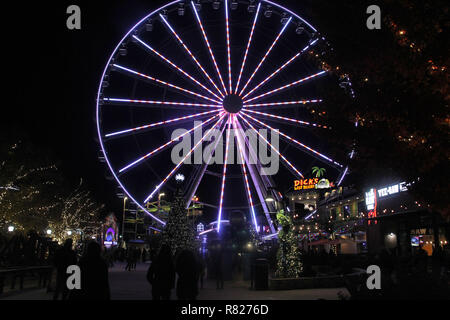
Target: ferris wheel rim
x=108 y=65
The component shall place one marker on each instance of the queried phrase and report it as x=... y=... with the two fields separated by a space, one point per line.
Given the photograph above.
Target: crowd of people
x=93 y=272
x=184 y=271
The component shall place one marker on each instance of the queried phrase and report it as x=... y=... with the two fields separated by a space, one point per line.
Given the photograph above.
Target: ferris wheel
x=213 y=66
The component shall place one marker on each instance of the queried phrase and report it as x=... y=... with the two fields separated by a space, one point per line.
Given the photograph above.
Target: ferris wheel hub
x=232 y=103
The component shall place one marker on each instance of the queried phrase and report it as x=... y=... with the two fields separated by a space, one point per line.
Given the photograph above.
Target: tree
x=78 y=213
x=34 y=196
x=178 y=232
x=289 y=264
x=400 y=78
x=28 y=187
x=318 y=171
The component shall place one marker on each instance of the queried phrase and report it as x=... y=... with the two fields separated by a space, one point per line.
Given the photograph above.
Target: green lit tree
x=319 y=172
x=178 y=232
x=289 y=264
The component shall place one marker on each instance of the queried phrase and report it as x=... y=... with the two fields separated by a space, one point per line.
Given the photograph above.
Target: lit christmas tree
x=289 y=264
x=178 y=232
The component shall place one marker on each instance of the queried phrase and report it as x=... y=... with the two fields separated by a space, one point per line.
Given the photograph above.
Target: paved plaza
x=133 y=285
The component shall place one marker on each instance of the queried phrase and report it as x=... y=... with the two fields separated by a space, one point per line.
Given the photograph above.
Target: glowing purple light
x=287 y=63
x=175 y=66
x=190 y=54
x=222 y=115
x=169 y=103
x=165 y=83
x=209 y=46
x=244 y=171
x=224 y=176
x=295 y=141
x=228 y=46
x=161 y=123
x=265 y=56
x=165 y=145
x=285 y=118
x=273 y=148
x=248 y=47
x=285 y=87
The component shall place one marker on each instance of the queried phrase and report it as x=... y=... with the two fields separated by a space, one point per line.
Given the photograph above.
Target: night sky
x=53 y=76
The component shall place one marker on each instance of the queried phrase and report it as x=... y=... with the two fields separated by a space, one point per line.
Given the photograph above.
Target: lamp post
x=123 y=215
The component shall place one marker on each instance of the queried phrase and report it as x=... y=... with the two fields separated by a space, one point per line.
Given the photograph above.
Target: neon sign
x=396 y=188
x=305 y=184
x=373 y=195
x=313 y=183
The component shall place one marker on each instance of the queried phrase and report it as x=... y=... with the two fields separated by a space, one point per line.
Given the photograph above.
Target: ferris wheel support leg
x=258 y=180
x=199 y=176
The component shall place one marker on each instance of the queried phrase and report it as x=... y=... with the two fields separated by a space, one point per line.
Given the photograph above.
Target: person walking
x=201 y=269
x=218 y=266
x=94 y=276
x=129 y=258
x=64 y=257
x=187 y=270
x=161 y=274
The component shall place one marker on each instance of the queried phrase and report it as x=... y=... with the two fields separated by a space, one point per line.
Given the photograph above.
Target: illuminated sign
x=373 y=195
x=313 y=183
x=396 y=188
x=370 y=199
x=305 y=184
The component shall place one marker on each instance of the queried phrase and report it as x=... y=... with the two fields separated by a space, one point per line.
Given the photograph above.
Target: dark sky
x=53 y=75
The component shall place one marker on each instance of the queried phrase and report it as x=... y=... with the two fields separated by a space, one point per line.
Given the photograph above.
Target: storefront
x=398 y=223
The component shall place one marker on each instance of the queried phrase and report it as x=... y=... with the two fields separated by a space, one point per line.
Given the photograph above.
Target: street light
x=49 y=231
x=10 y=228
x=69 y=233
x=123 y=213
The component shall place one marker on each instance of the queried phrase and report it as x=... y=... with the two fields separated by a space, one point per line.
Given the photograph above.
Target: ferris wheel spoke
x=203 y=169
x=222 y=115
x=224 y=175
x=281 y=103
x=289 y=120
x=227 y=23
x=191 y=55
x=265 y=56
x=157 y=124
x=290 y=85
x=164 y=146
x=287 y=63
x=167 y=103
x=303 y=146
x=291 y=166
x=244 y=173
x=208 y=46
x=145 y=45
x=248 y=48
x=161 y=82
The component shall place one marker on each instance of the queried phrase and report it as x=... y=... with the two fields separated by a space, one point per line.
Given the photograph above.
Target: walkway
x=133 y=285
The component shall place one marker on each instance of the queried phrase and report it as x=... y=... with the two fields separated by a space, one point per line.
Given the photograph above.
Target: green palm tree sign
x=318 y=171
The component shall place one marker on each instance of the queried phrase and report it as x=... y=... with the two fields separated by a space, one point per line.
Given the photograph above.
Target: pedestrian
x=64 y=257
x=218 y=266
x=94 y=276
x=129 y=258
x=161 y=274
x=201 y=269
x=187 y=270
x=136 y=256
